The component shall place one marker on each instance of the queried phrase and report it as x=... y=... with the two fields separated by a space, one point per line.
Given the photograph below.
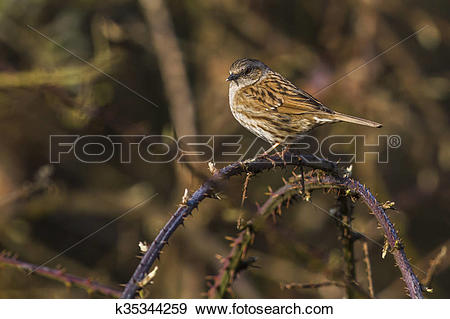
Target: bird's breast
x=232 y=93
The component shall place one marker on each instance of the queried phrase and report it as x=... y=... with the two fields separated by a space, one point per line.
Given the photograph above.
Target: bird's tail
x=356 y=120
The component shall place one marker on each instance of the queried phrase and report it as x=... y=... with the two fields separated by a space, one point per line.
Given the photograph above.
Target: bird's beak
x=232 y=77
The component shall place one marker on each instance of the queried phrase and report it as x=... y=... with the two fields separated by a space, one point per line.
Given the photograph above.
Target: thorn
x=348 y=171
x=212 y=168
x=388 y=205
x=143 y=246
x=307 y=197
x=274 y=217
x=279 y=210
x=398 y=244
x=148 y=278
x=385 y=249
x=185 y=197
x=241 y=223
x=213 y=196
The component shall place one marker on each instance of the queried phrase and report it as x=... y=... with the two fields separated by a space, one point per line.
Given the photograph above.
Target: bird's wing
x=275 y=93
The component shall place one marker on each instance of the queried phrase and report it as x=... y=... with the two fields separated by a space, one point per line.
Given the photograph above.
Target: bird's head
x=246 y=71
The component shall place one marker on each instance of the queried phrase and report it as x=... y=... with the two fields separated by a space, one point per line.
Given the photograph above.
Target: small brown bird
x=271 y=107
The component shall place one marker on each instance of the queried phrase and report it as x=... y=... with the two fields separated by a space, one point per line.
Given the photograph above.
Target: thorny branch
x=232 y=264
x=271 y=207
x=412 y=282
x=209 y=189
x=314 y=181
x=60 y=275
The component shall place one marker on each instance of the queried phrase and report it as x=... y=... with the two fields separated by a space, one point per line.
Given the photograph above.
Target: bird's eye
x=247 y=71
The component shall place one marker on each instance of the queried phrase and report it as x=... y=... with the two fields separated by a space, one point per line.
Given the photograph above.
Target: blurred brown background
x=177 y=54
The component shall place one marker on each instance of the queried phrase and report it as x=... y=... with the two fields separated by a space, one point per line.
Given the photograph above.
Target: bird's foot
x=267 y=152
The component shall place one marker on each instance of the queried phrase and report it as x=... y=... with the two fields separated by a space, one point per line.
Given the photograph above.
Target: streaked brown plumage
x=271 y=107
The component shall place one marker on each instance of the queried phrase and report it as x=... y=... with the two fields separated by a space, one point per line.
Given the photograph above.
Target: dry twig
x=244 y=188
x=344 y=212
x=433 y=265
x=60 y=275
x=368 y=269
x=293 y=285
